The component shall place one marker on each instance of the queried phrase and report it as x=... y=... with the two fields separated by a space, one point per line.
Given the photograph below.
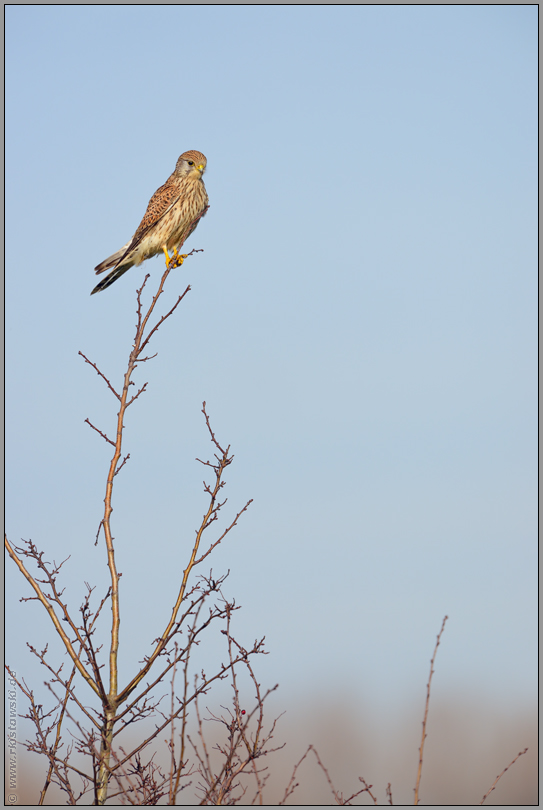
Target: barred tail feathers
x=112 y=260
x=111 y=277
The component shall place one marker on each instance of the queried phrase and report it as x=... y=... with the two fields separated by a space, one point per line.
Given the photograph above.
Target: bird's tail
x=111 y=277
x=119 y=268
x=111 y=261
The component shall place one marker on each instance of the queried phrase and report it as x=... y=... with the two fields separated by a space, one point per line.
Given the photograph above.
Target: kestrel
x=173 y=213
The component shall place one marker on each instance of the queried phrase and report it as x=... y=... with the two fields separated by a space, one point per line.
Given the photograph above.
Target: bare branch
x=58 y=627
x=100 y=374
x=389 y=793
x=103 y=435
x=497 y=779
x=427 y=706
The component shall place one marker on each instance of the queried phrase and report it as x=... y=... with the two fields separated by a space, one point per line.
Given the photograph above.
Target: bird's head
x=191 y=163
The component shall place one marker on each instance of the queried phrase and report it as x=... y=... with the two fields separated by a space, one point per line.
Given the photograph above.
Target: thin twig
x=427 y=706
x=103 y=435
x=497 y=779
x=100 y=374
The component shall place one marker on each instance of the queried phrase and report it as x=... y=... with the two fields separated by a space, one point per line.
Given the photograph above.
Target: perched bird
x=173 y=213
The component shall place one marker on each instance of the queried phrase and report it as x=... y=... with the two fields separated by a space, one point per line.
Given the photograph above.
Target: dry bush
x=103 y=741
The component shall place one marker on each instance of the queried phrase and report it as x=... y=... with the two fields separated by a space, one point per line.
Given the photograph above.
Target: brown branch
x=100 y=525
x=65 y=684
x=208 y=518
x=121 y=465
x=103 y=435
x=52 y=615
x=223 y=535
x=338 y=796
x=201 y=690
x=222 y=784
x=193 y=634
x=143 y=387
x=37 y=716
x=339 y=799
x=161 y=321
x=50 y=578
x=427 y=706
x=365 y=789
x=113 y=698
x=497 y=779
x=100 y=374
x=291 y=787
x=138 y=779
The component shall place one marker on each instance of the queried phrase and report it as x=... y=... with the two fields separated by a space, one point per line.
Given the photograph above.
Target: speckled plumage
x=173 y=213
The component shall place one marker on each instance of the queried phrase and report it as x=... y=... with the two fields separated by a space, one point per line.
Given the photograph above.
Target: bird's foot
x=177 y=259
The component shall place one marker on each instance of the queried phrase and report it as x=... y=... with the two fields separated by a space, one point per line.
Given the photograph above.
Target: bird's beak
x=201 y=167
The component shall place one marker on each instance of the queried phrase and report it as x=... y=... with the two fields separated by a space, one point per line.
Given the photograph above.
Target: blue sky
x=362 y=326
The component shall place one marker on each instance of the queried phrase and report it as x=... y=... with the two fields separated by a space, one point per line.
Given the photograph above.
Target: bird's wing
x=160 y=203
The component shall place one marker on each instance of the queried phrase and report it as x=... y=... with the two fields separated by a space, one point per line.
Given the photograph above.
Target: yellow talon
x=176 y=259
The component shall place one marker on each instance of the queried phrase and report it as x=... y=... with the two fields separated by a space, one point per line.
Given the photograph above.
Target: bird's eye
x=191 y=163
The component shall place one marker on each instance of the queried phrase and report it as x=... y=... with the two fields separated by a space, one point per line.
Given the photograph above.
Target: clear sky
x=362 y=325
